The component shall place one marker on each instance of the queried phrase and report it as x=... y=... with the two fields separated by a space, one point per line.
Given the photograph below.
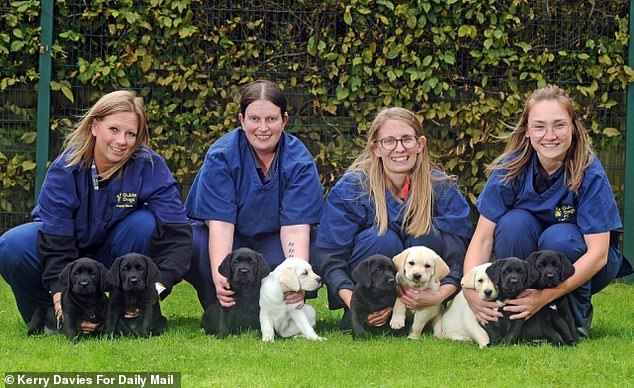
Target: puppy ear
x=64 y=276
x=225 y=266
x=399 y=260
x=113 y=273
x=289 y=281
x=442 y=269
x=494 y=272
x=532 y=275
x=361 y=274
x=103 y=278
x=468 y=280
x=263 y=266
x=567 y=269
x=152 y=271
x=533 y=257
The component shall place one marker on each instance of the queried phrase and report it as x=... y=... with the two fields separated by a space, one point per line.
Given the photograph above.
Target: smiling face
x=550 y=131
x=263 y=123
x=400 y=160
x=115 y=138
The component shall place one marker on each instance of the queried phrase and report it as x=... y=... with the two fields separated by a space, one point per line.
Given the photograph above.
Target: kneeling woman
x=106 y=195
x=391 y=198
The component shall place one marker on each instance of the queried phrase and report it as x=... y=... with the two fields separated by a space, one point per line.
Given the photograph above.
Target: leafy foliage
x=465 y=68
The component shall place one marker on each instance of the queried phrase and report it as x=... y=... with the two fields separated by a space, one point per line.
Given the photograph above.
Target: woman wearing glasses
x=391 y=198
x=548 y=190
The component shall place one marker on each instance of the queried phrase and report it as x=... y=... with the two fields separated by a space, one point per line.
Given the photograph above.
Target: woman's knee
x=141 y=223
x=19 y=250
x=565 y=238
x=369 y=242
x=132 y=234
x=516 y=234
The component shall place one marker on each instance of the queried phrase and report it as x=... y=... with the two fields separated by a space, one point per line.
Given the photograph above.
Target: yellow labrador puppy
x=288 y=320
x=418 y=267
x=459 y=322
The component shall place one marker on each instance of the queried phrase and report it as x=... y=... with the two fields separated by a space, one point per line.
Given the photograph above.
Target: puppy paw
x=413 y=336
x=267 y=338
x=397 y=322
x=316 y=338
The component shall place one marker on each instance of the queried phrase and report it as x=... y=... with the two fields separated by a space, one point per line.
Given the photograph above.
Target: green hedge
x=465 y=67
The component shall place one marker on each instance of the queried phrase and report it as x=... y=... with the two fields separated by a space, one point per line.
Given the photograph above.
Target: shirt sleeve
x=171 y=242
x=57 y=204
x=597 y=209
x=451 y=213
x=303 y=197
x=160 y=192
x=497 y=197
x=344 y=216
x=213 y=195
x=58 y=200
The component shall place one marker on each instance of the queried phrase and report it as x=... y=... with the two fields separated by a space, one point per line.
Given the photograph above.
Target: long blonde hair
x=79 y=145
x=417 y=219
x=519 y=151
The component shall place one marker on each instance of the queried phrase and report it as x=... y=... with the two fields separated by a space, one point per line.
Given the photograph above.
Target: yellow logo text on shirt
x=564 y=212
x=126 y=200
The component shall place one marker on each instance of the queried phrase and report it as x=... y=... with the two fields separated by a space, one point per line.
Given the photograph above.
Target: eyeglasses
x=539 y=129
x=389 y=143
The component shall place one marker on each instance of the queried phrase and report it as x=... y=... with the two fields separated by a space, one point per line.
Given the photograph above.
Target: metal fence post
x=628 y=197
x=44 y=95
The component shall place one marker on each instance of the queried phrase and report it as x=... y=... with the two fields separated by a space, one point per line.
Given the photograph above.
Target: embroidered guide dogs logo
x=564 y=212
x=126 y=200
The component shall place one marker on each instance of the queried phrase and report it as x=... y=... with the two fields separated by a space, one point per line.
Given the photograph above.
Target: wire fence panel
x=188 y=58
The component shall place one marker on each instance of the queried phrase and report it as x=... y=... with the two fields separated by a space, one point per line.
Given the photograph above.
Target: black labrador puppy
x=133 y=307
x=245 y=269
x=554 y=322
x=375 y=290
x=83 y=299
x=511 y=276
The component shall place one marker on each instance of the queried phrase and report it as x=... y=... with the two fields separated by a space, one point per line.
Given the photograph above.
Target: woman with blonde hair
x=392 y=197
x=105 y=195
x=548 y=190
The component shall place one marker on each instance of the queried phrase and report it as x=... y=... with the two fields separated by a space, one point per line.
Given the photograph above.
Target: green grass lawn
x=203 y=361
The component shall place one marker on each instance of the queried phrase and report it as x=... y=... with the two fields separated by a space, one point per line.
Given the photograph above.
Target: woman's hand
x=484 y=310
x=57 y=306
x=85 y=327
x=223 y=291
x=295 y=297
x=417 y=298
x=527 y=304
x=379 y=318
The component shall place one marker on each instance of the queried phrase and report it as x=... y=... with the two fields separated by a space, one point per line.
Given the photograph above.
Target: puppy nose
x=417 y=276
x=391 y=281
x=243 y=270
x=83 y=283
x=134 y=280
x=488 y=292
x=318 y=278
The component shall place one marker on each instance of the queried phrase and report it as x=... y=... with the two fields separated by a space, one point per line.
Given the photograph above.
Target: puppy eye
x=410 y=262
x=427 y=265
